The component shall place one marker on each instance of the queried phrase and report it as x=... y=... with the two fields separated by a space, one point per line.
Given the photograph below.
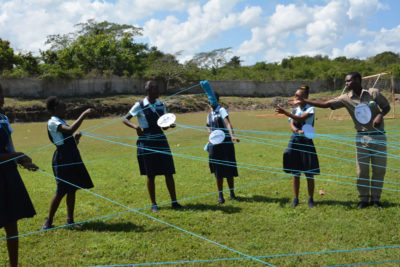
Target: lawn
x=120 y=228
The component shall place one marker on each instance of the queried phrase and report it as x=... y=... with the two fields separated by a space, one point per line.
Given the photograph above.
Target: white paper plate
x=362 y=112
x=166 y=120
x=309 y=131
x=216 y=137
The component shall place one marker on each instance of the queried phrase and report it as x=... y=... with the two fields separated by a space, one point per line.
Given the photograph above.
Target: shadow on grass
x=353 y=204
x=111 y=227
x=257 y=198
x=203 y=207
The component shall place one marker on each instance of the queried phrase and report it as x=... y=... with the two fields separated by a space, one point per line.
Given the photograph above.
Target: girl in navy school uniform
x=153 y=152
x=15 y=203
x=218 y=119
x=67 y=162
x=301 y=156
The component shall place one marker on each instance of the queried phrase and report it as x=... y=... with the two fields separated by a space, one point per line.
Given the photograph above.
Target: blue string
x=268 y=256
x=156 y=219
x=239 y=164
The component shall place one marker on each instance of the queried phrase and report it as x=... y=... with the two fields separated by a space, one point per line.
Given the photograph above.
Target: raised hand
x=88 y=112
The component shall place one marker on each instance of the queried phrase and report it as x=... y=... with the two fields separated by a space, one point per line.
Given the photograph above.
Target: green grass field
x=260 y=224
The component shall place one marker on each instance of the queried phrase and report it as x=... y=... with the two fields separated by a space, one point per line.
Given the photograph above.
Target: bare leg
x=169 y=180
x=220 y=186
x=12 y=244
x=310 y=185
x=231 y=184
x=55 y=202
x=71 y=205
x=296 y=186
x=152 y=189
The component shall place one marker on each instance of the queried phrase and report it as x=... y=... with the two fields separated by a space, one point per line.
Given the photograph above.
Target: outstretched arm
x=315 y=103
x=22 y=159
x=301 y=118
x=72 y=128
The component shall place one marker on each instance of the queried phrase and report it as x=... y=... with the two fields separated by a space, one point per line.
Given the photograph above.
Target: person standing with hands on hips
x=370 y=139
x=153 y=151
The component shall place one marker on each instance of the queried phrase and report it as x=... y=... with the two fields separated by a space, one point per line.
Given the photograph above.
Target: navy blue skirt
x=222 y=159
x=154 y=154
x=68 y=166
x=300 y=156
x=15 y=203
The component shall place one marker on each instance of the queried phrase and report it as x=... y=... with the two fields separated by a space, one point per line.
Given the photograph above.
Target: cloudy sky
x=257 y=30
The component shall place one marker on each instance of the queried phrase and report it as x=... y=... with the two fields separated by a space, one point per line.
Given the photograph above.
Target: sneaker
x=294 y=203
x=221 y=200
x=71 y=224
x=311 y=203
x=176 y=206
x=363 y=205
x=47 y=224
x=154 y=208
x=376 y=204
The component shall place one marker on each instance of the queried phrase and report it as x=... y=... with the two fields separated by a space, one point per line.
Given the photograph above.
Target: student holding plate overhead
x=370 y=139
x=301 y=156
x=222 y=158
x=153 y=152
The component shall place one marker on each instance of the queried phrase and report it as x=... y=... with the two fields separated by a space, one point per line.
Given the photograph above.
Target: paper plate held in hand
x=309 y=131
x=362 y=112
x=166 y=120
x=216 y=137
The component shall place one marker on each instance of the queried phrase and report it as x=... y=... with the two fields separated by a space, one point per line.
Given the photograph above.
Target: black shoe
x=294 y=203
x=71 y=224
x=363 y=205
x=376 y=204
x=48 y=224
x=233 y=197
x=311 y=203
x=154 y=208
x=221 y=200
x=176 y=206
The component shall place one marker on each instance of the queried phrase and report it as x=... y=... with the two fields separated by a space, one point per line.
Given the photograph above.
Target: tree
x=385 y=59
x=213 y=59
x=28 y=63
x=234 y=62
x=7 y=58
x=99 y=48
x=168 y=69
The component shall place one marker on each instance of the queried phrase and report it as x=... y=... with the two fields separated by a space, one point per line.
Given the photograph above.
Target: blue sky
x=256 y=30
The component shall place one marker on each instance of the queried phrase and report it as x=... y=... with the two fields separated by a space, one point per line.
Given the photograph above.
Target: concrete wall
x=34 y=88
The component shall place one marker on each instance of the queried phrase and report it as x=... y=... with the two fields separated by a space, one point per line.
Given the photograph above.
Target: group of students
x=153 y=154
x=155 y=158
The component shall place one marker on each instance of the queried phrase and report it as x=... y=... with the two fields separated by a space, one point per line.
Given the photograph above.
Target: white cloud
x=318 y=29
x=303 y=28
x=251 y=16
x=27 y=23
x=384 y=40
x=204 y=23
